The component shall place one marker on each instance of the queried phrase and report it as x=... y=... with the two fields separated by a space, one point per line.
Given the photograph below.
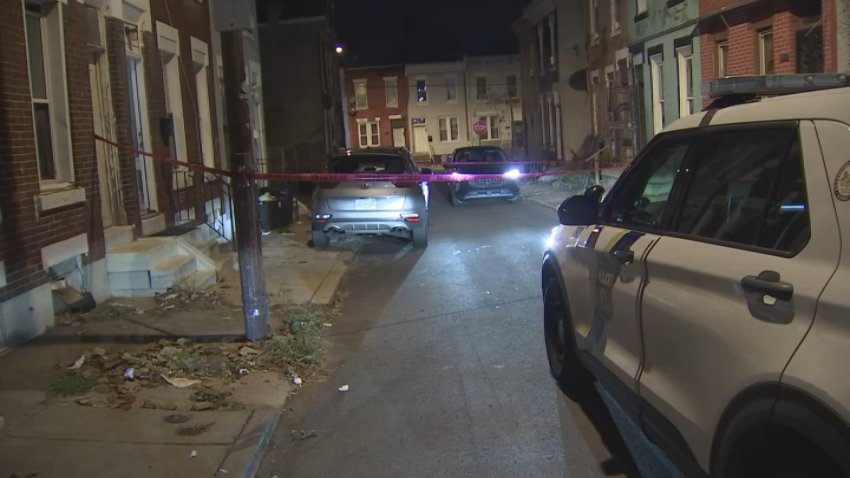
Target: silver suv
x=371 y=205
x=708 y=291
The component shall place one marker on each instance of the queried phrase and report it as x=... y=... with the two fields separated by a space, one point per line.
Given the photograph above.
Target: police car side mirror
x=581 y=210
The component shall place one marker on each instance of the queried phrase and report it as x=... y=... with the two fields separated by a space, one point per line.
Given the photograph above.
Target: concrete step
x=133 y=280
x=199 y=280
x=140 y=255
x=172 y=271
x=153 y=224
x=117 y=236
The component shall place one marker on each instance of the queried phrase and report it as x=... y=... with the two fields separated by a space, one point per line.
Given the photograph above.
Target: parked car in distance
x=708 y=290
x=371 y=206
x=483 y=160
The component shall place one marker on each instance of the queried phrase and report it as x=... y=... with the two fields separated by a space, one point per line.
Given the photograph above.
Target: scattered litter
x=129 y=373
x=135 y=309
x=487 y=292
x=301 y=434
x=180 y=382
x=242 y=371
x=498 y=366
x=343 y=388
x=297 y=381
x=327 y=324
x=193 y=453
x=78 y=363
x=222 y=470
x=98 y=352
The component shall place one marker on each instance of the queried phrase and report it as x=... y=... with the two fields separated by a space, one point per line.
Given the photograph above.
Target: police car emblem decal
x=841 y=187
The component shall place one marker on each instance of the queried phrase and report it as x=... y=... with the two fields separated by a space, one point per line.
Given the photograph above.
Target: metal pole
x=255 y=304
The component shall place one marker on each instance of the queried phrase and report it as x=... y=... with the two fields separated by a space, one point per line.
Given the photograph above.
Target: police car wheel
x=564 y=364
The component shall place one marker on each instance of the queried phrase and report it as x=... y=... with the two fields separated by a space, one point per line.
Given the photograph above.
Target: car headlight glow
x=512 y=174
x=550 y=241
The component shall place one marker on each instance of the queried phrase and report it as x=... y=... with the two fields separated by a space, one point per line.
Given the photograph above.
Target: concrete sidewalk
x=46 y=435
x=71 y=441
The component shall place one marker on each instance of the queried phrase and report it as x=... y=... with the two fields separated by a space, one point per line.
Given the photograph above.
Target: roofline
x=375 y=67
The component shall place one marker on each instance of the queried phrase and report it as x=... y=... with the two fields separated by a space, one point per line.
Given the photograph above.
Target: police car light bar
x=775 y=85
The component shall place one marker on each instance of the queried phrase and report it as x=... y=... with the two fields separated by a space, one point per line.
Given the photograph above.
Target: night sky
x=377 y=32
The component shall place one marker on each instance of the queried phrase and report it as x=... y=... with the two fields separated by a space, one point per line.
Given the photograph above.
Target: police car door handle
x=626 y=256
x=768 y=283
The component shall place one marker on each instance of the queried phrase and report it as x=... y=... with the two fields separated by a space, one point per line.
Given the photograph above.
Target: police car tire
x=567 y=370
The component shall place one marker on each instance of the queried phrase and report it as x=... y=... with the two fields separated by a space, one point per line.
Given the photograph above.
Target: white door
x=101 y=149
x=144 y=166
x=398 y=138
x=420 y=140
x=733 y=287
x=605 y=278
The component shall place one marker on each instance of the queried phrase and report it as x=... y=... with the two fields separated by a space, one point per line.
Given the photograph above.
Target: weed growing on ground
x=69 y=385
x=303 y=345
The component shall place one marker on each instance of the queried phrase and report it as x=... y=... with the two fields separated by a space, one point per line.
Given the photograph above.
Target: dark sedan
x=488 y=160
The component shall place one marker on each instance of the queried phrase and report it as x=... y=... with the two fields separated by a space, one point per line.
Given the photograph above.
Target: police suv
x=709 y=290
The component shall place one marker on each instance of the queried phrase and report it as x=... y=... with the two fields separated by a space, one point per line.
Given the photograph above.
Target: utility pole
x=255 y=303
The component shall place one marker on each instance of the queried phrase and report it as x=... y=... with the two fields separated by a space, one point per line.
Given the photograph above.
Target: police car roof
x=831 y=104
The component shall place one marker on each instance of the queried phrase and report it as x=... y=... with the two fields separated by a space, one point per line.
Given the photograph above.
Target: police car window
x=737 y=195
x=642 y=199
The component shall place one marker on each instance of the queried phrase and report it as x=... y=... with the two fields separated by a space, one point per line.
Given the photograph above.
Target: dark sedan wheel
x=420 y=238
x=514 y=199
x=564 y=364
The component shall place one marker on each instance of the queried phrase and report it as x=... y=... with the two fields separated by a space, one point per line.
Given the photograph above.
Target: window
x=492 y=127
x=766 y=52
x=448 y=129
x=594 y=20
x=640 y=7
x=759 y=199
x=369 y=134
x=361 y=95
x=421 y=91
x=642 y=199
x=657 y=74
x=512 y=86
x=451 y=89
x=48 y=91
x=810 y=49
x=391 y=91
x=722 y=59
x=481 y=88
x=615 y=17
x=684 y=58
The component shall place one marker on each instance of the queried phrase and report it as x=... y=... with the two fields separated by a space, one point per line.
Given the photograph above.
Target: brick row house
x=431 y=108
x=77 y=213
x=645 y=63
x=377 y=99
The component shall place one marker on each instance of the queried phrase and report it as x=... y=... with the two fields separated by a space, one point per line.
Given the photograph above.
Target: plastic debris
x=78 y=363
x=222 y=470
x=343 y=388
x=242 y=371
x=327 y=324
x=180 y=382
x=129 y=373
x=193 y=453
x=297 y=381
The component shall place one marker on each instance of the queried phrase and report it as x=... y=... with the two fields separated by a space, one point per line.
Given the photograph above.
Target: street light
x=339 y=49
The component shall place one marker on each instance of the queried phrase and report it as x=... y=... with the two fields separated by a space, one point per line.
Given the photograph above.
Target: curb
x=245 y=456
x=324 y=294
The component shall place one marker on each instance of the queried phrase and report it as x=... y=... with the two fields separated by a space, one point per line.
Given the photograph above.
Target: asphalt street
x=443 y=352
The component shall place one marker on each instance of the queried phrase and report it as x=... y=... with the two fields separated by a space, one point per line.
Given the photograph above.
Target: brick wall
x=190 y=19
x=376 y=98
x=23 y=234
x=742 y=35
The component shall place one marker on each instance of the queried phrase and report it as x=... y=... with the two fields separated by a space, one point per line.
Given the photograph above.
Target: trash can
x=275 y=209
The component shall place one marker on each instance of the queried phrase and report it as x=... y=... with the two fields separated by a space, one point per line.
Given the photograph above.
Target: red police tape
x=437 y=177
